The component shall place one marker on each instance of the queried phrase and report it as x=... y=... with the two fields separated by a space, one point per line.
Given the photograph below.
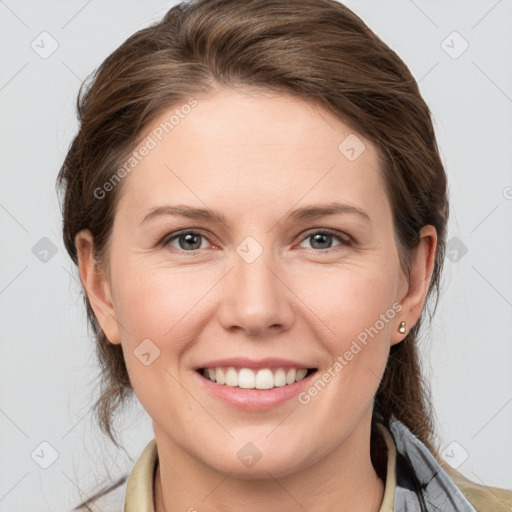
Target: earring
x=401 y=328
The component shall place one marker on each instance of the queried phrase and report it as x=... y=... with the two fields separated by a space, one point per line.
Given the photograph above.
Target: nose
x=256 y=298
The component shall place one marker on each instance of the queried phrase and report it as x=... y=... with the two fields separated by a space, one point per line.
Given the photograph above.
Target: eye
x=188 y=241
x=322 y=239
x=191 y=241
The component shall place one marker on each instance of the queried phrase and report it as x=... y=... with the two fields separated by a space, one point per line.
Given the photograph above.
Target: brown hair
x=317 y=50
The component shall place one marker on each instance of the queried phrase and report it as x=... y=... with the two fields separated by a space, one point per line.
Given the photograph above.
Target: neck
x=343 y=481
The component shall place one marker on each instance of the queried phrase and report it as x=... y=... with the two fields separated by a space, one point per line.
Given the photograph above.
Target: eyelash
x=344 y=239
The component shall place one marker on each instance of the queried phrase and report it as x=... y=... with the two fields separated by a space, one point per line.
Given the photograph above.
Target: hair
x=316 y=50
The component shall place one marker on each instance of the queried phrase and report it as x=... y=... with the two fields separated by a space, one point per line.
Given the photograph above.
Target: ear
x=96 y=286
x=417 y=283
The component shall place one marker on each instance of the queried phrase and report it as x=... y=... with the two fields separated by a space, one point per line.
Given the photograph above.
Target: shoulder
x=133 y=492
x=423 y=476
x=484 y=498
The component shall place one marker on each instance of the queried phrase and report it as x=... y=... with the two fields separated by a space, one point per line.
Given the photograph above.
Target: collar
x=414 y=479
x=421 y=483
x=139 y=489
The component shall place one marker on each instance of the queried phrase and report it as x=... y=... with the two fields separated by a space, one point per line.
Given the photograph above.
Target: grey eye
x=323 y=240
x=190 y=241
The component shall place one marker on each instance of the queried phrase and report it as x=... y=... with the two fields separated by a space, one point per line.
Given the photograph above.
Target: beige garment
x=139 y=490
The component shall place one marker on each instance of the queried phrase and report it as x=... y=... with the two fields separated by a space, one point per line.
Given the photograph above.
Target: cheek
x=160 y=305
x=167 y=307
x=154 y=304
x=353 y=314
x=350 y=301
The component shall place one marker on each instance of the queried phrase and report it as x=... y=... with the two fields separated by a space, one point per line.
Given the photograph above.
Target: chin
x=251 y=463
x=262 y=470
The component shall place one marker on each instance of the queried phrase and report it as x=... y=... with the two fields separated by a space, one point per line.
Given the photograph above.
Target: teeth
x=231 y=377
x=280 y=377
x=219 y=376
x=264 y=379
x=301 y=373
x=247 y=378
x=290 y=376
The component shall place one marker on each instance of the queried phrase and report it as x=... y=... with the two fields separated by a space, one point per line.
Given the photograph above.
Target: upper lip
x=267 y=362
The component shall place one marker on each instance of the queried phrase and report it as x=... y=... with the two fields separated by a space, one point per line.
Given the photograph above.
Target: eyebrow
x=207 y=214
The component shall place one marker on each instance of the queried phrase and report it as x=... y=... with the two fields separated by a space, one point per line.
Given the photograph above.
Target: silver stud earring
x=401 y=328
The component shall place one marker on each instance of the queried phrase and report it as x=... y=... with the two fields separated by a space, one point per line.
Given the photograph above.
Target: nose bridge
x=255 y=299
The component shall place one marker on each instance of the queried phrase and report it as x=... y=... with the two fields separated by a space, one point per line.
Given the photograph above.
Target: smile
x=263 y=378
x=253 y=389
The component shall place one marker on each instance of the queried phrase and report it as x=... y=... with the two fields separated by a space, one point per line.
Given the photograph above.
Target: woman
x=257 y=208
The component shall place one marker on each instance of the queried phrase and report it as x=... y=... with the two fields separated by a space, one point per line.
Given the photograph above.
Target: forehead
x=254 y=148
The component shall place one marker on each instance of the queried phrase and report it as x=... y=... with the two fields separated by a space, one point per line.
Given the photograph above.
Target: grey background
x=47 y=368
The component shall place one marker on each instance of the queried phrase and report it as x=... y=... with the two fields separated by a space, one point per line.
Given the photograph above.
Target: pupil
x=189 y=239
x=321 y=238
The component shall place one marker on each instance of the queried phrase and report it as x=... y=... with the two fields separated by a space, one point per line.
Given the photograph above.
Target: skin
x=254 y=157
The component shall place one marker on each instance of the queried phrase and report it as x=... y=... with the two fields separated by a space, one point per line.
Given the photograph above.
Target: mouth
x=255 y=378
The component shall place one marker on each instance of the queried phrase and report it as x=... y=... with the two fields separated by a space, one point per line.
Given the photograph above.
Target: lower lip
x=254 y=399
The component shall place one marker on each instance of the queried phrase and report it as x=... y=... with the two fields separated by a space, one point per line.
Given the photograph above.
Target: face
x=250 y=237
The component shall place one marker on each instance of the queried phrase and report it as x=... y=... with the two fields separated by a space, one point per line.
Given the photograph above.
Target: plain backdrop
x=461 y=54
